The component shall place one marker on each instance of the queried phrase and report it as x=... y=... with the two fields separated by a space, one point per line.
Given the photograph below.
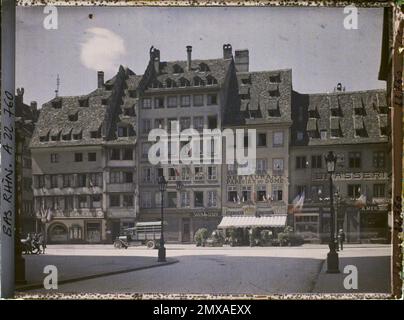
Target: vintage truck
x=143 y=233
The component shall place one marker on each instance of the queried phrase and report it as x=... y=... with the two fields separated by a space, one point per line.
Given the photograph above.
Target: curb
x=98 y=275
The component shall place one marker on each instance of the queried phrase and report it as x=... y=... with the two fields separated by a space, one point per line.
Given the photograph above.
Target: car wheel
x=150 y=244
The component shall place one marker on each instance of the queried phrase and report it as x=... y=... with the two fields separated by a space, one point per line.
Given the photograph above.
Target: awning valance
x=250 y=221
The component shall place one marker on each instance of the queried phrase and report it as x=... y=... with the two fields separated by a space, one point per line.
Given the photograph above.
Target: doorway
x=186 y=230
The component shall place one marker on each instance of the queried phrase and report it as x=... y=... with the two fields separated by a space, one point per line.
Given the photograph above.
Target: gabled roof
x=101 y=111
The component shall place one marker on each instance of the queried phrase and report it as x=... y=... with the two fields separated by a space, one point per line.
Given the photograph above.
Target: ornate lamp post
x=332 y=256
x=162 y=250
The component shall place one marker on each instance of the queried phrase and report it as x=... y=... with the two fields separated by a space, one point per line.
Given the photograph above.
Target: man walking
x=341 y=238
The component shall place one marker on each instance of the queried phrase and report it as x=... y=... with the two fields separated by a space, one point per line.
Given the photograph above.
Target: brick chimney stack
x=189 y=59
x=100 y=76
x=241 y=60
x=227 y=51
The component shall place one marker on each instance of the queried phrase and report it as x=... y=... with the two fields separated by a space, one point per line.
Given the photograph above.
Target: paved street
x=238 y=270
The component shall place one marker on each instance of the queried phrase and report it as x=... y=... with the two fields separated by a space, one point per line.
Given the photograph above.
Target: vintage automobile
x=143 y=233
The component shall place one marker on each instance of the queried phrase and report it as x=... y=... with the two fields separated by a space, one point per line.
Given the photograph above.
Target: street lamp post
x=332 y=256
x=162 y=250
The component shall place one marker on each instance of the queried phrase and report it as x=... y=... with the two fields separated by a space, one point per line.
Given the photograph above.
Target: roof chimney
x=227 y=51
x=189 y=52
x=34 y=105
x=242 y=61
x=20 y=95
x=100 y=75
x=155 y=57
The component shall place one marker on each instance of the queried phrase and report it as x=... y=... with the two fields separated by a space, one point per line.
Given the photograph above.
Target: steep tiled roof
x=358 y=115
x=213 y=70
x=265 y=96
x=86 y=115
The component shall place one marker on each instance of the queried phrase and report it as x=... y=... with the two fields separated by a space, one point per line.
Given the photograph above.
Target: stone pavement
x=373 y=270
x=237 y=270
x=77 y=267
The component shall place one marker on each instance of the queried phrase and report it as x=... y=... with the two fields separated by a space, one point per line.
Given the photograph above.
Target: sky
x=311 y=41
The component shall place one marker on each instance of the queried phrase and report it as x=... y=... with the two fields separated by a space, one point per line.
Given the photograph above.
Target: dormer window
x=95 y=134
x=272 y=107
x=78 y=135
x=170 y=83
x=74 y=116
x=198 y=82
x=274 y=93
x=55 y=136
x=312 y=128
x=246 y=80
x=335 y=127
x=358 y=106
x=382 y=104
x=203 y=67
x=83 y=102
x=156 y=84
x=275 y=78
x=184 y=82
x=383 y=125
x=57 y=104
x=177 y=69
x=359 y=126
x=44 y=138
x=129 y=111
x=313 y=112
x=335 y=106
x=66 y=136
x=125 y=131
x=211 y=80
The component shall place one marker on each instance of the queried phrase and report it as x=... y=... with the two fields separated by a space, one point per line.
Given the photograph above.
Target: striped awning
x=251 y=221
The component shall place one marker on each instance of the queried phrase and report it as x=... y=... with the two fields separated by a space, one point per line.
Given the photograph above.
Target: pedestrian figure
x=341 y=238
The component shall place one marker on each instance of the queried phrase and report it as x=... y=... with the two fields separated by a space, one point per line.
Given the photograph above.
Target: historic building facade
x=355 y=126
x=182 y=95
x=83 y=162
x=25 y=119
x=265 y=101
x=93 y=175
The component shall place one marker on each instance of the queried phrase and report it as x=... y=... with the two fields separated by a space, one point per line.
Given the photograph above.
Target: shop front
x=75 y=231
x=374 y=224
x=360 y=225
x=182 y=224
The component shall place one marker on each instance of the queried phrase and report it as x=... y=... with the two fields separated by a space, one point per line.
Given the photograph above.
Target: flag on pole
x=49 y=215
x=361 y=201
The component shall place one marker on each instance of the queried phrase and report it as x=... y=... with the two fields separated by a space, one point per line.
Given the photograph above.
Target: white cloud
x=102 y=50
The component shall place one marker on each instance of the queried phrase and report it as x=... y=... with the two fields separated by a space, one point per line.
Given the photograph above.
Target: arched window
x=211 y=80
x=184 y=82
x=170 y=83
x=57 y=233
x=198 y=82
